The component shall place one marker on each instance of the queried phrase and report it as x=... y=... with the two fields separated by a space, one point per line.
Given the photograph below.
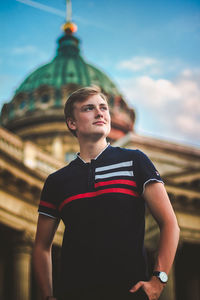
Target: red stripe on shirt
x=117 y=181
x=47 y=204
x=97 y=193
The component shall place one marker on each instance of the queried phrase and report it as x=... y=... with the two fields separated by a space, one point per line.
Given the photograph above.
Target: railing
x=11 y=144
x=28 y=153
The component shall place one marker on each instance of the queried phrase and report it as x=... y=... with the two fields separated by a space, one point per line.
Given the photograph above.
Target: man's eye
x=104 y=108
x=88 y=108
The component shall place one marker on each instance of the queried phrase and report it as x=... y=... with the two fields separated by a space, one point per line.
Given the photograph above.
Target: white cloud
x=140 y=63
x=174 y=104
x=151 y=66
x=190 y=125
x=28 y=49
x=29 y=54
x=150 y=92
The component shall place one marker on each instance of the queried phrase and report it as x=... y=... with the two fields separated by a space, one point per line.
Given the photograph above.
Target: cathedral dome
x=36 y=110
x=68 y=67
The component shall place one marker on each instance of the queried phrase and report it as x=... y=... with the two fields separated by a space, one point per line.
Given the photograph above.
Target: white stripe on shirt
x=115 y=166
x=120 y=173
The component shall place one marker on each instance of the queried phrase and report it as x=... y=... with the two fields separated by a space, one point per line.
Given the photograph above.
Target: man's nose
x=98 y=112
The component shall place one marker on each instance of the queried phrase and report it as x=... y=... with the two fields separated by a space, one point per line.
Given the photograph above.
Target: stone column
x=57 y=148
x=169 y=291
x=22 y=268
x=30 y=153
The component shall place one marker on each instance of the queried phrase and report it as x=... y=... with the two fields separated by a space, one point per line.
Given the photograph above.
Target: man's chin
x=95 y=136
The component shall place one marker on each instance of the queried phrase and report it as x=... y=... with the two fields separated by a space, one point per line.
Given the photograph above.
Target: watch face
x=163 y=276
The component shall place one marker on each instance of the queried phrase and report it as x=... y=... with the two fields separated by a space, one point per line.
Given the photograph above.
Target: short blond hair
x=80 y=95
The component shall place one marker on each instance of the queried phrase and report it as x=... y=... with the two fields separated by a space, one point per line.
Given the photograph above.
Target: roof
x=67 y=67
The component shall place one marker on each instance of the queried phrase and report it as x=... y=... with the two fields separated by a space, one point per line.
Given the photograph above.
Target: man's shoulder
x=64 y=171
x=126 y=152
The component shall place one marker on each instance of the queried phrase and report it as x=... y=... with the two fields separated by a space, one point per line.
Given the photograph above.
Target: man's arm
x=42 y=261
x=160 y=207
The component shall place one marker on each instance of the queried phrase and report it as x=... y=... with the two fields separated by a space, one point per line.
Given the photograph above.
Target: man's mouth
x=99 y=122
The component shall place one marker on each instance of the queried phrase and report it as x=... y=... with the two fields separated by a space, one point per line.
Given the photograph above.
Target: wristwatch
x=162 y=276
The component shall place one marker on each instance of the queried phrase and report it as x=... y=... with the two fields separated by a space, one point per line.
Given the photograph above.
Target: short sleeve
x=145 y=171
x=49 y=199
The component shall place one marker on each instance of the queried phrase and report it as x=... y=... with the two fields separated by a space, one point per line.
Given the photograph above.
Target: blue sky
x=149 y=48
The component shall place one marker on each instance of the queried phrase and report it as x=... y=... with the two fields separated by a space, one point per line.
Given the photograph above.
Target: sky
x=150 y=49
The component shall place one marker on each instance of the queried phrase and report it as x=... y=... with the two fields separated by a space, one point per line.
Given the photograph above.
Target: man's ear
x=71 y=123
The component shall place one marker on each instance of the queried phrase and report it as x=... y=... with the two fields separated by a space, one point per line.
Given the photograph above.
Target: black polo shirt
x=102 y=207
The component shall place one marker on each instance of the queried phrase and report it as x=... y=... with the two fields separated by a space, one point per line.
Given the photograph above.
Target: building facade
x=34 y=141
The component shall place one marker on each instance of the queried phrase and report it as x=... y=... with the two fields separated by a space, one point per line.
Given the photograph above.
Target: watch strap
x=156 y=273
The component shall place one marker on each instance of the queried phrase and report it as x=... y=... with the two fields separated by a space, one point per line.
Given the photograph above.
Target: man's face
x=91 y=118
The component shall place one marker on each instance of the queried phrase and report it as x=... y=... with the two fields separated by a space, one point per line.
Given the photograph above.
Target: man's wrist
x=162 y=276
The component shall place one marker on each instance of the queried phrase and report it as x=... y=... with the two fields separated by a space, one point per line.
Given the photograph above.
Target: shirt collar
x=78 y=154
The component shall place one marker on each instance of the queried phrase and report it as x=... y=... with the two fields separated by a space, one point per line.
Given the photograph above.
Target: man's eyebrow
x=92 y=105
x=87 y=105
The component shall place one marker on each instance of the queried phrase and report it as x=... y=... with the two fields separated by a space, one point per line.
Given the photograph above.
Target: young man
x=101 y=197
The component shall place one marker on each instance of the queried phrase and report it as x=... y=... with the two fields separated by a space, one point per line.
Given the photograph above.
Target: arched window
x=45 y=98
x=22 y=104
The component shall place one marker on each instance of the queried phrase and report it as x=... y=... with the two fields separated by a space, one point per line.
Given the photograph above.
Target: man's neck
x=90 y=150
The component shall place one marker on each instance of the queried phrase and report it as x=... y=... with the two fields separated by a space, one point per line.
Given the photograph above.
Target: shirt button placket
x=91 y=176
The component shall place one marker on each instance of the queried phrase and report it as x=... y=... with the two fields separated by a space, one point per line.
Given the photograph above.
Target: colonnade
x=22 y=266
x=17 y=283
x=16 y=267
x=17 y=280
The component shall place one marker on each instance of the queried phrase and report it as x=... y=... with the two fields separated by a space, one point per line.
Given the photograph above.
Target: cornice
x=21 y=217
x=156 y=143
x=20 y=184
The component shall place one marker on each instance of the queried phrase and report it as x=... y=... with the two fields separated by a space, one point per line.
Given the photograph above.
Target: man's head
x=77 y=97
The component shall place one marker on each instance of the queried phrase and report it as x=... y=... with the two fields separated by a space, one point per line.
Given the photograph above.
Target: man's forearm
x=169 y=236
x=160 y=207
x=42 y=263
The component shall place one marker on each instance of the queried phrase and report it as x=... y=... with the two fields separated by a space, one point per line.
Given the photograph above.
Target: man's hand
x=153 y=288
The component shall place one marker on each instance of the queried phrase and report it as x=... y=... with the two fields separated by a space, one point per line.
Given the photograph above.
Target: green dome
x=39 y=100
x=67 y=67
